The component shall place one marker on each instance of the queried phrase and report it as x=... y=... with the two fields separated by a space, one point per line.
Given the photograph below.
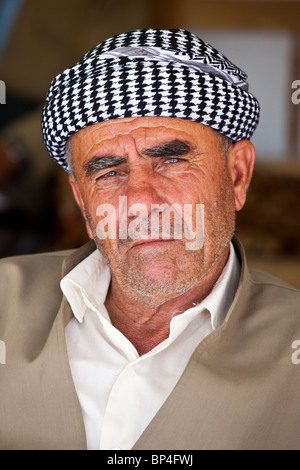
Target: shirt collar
x=218 y=302
x=221 y=297
x=86 y=286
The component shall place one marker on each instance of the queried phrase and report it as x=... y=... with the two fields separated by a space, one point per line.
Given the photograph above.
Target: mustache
x=166 y=224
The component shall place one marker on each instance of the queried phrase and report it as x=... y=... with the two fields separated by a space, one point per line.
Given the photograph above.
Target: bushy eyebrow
x=102 y=163
x=173 y=148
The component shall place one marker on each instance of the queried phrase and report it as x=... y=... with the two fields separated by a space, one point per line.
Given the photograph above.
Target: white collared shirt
x=118 y=390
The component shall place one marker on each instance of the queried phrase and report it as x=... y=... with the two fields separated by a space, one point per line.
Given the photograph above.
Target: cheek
x=186 y=188
x=193 y=189
x=108 y=218
x=214 y=191
x=95 y=202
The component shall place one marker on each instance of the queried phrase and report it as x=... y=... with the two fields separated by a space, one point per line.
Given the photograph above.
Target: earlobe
x=241 y=158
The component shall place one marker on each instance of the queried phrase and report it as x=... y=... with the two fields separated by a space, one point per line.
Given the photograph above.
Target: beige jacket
x=240 y=390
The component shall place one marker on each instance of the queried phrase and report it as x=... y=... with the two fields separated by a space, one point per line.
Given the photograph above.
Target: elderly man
x=156 y=335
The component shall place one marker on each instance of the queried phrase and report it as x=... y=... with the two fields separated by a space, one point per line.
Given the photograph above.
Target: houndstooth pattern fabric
x=188 y=83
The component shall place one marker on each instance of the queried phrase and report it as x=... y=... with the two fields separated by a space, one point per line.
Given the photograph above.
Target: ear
x=241 y=158
x=79 y=200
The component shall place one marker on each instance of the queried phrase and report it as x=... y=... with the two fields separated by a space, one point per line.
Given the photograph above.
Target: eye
x=171 y=165
x=112 y=177
x=173 y=160
x=107 y=175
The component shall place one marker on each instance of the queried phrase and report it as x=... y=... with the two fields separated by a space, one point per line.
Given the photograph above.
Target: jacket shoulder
x=26 y=261
x=267 y=309
x=30 y=270
x=30 y=289
x=273 y=296
x=265 y=279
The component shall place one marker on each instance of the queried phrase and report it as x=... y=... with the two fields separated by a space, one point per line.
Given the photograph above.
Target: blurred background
x=39 y=39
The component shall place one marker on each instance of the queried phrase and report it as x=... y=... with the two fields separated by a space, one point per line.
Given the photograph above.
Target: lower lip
x=154 y=244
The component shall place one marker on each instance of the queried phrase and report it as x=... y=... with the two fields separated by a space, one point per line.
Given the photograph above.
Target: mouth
x=152 y=243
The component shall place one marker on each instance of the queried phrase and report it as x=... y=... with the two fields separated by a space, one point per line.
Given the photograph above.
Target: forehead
x=144 y=131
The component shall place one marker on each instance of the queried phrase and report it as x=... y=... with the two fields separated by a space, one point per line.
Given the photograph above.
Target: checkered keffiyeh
x=149 y=72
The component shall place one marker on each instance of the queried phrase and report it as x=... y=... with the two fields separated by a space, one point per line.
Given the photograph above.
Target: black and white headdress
x=149 y=72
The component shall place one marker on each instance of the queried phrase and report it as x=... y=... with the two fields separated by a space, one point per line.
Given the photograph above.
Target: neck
x=146 y=326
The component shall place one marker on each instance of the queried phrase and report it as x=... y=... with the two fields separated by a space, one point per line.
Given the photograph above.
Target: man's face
x=157 y=163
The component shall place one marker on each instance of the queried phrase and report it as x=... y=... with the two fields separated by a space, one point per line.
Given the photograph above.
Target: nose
x=143 y=191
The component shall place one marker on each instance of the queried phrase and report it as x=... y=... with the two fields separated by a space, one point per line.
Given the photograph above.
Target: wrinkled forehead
x=119 y=135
